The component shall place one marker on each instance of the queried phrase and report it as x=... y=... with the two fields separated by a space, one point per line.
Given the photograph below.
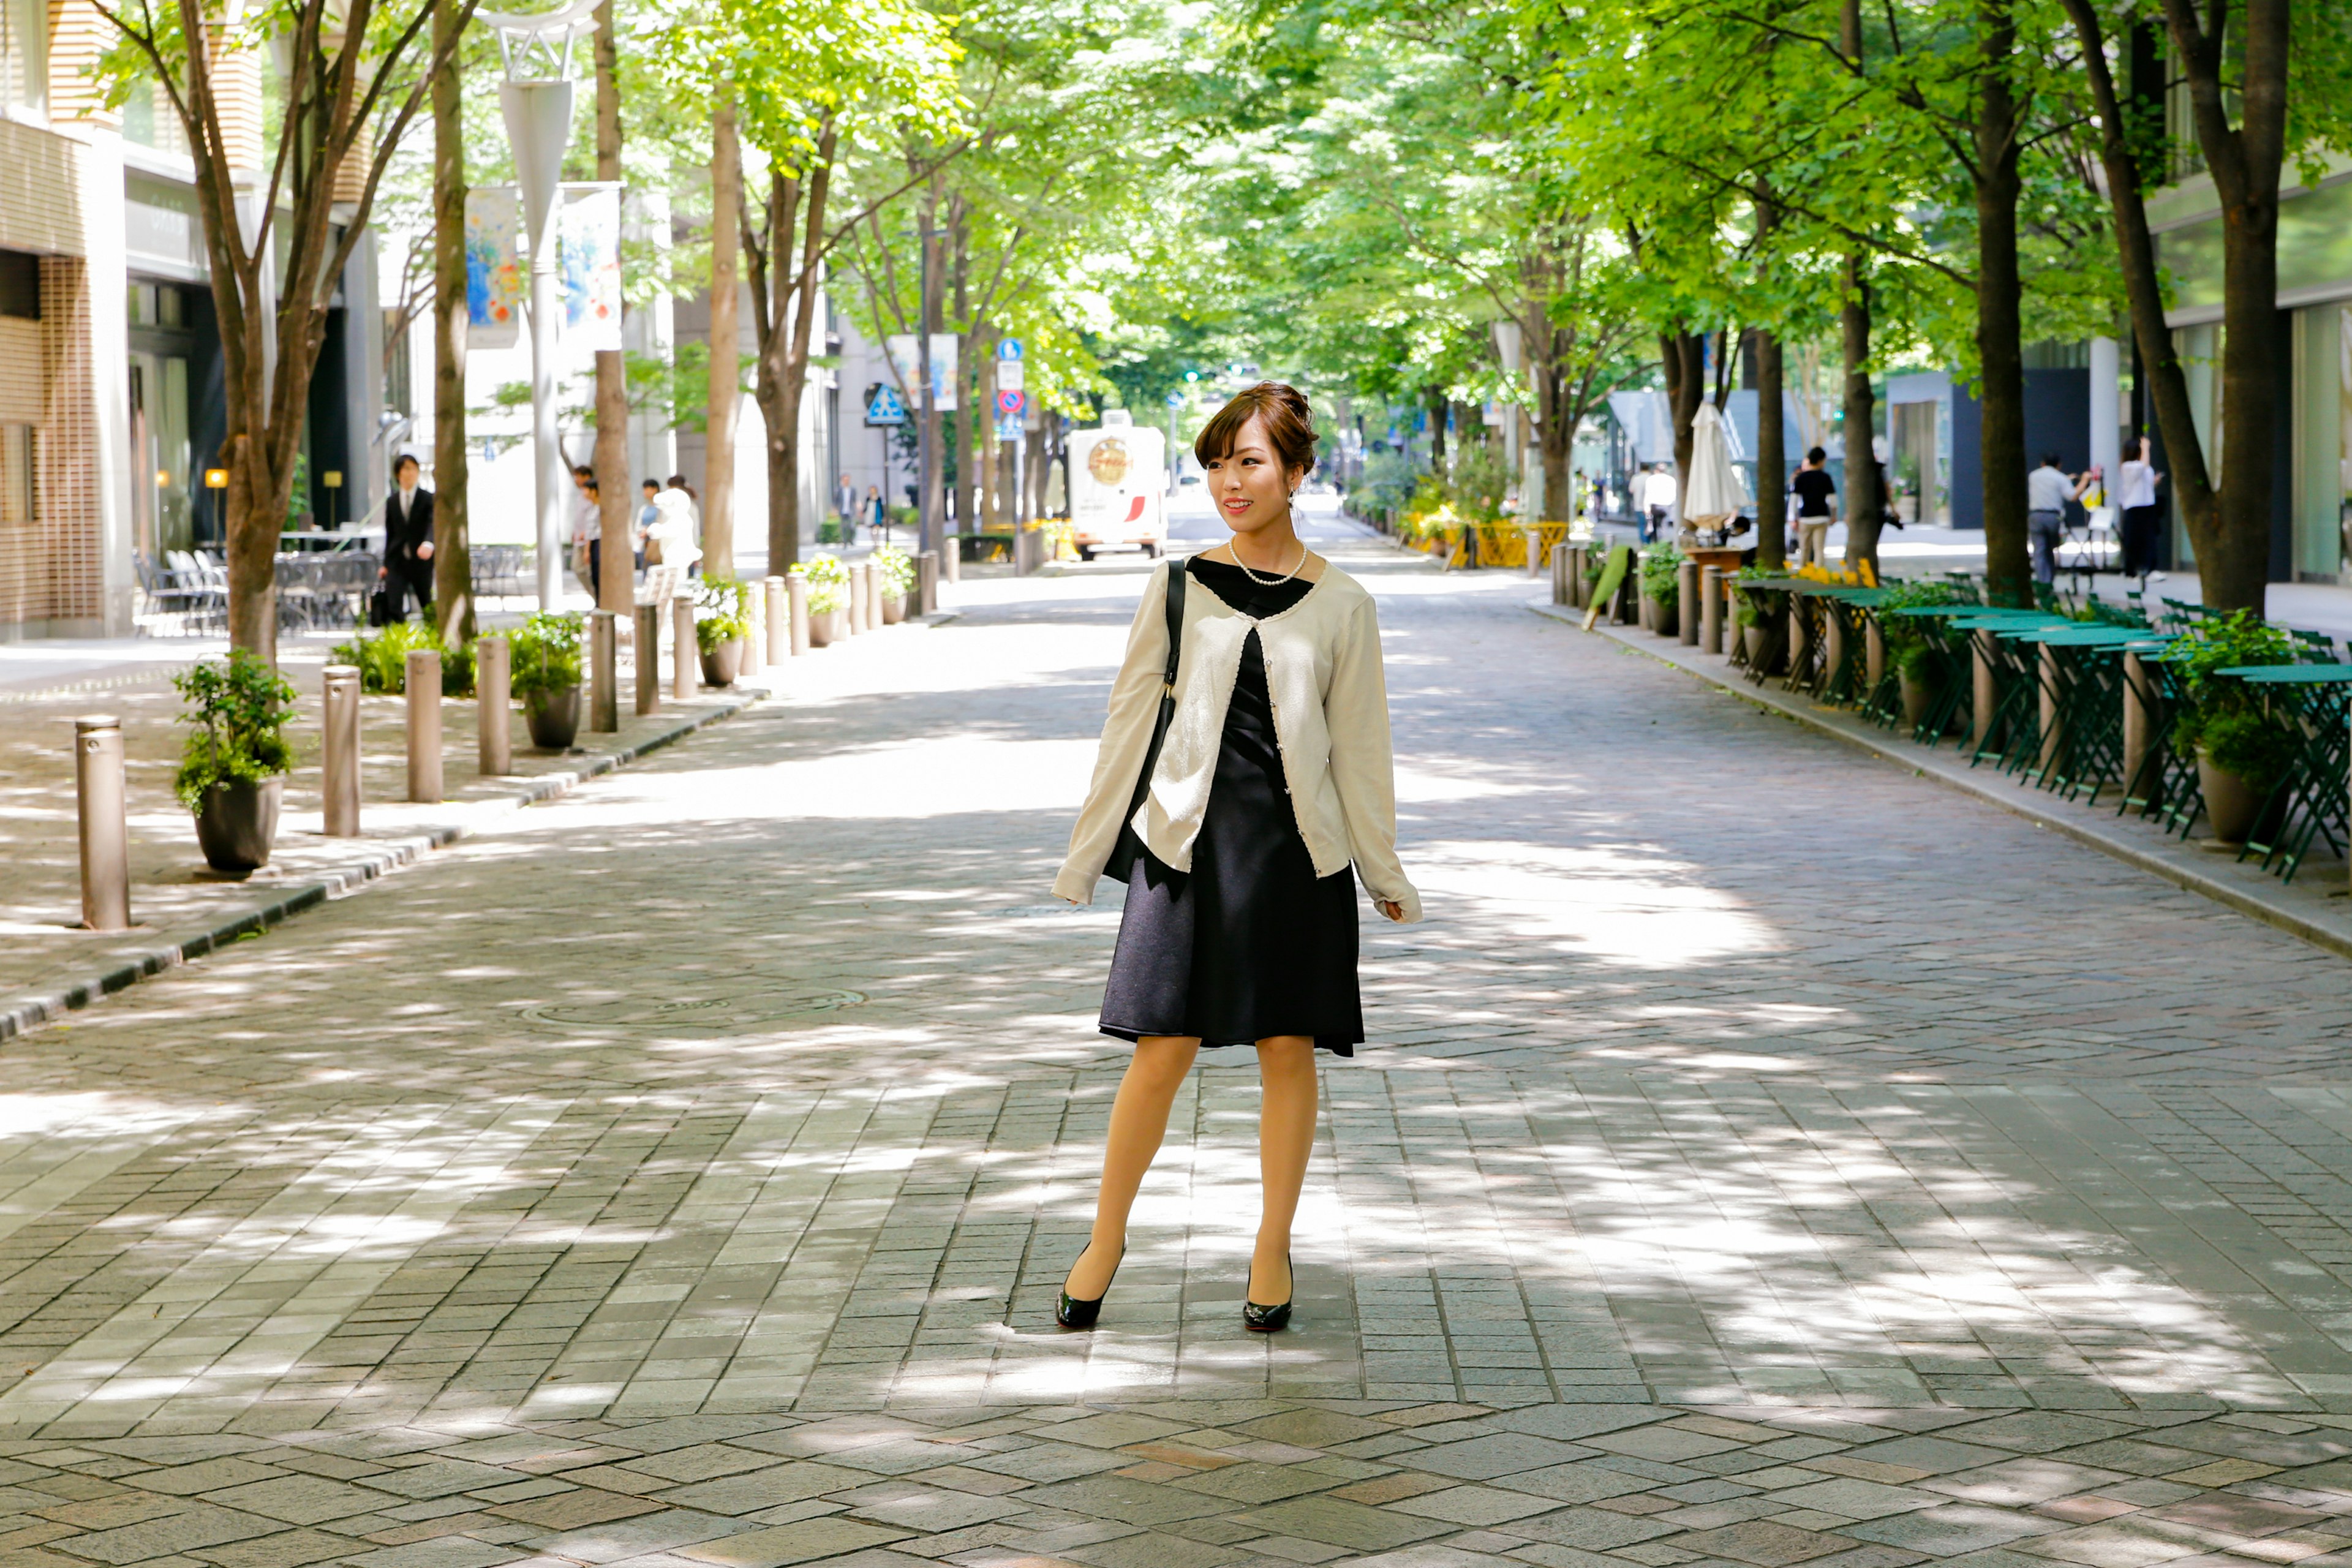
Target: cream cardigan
x=1331 y=721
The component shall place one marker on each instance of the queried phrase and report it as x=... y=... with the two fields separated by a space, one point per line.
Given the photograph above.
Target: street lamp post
x=536 y=100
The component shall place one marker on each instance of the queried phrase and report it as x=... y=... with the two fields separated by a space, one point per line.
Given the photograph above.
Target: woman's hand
x=1393 y=910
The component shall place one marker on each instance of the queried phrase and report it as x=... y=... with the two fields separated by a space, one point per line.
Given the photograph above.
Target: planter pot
x=1663 y=619
x=2234 y=803
x=894 y=608
x=1916 y=695
x=553 y=717
x=1751 y=638
x=827 y=627
x=723 y=664
x=238 y=822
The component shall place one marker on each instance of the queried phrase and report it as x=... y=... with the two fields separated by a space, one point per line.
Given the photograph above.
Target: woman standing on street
x=1240 y=834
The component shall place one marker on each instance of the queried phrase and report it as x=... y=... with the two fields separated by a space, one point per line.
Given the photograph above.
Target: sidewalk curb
x=22 y=1013
x=2171 y=861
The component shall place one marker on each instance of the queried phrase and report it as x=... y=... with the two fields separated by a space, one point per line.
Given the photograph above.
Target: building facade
x=112 y=404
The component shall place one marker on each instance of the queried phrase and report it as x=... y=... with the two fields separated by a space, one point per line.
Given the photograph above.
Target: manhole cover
x=703 y=1015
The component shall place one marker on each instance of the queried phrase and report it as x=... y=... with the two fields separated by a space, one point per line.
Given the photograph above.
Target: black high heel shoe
x=1260 y=1320
x=1073 y=1313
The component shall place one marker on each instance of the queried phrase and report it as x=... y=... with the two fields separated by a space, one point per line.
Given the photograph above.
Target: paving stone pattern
x=171 y=890
x=1763 y=1157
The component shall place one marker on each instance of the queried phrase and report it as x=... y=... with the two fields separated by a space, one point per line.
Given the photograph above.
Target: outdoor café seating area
x=2226 y=729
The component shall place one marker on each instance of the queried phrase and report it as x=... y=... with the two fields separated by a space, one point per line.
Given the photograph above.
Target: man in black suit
x=408 y=542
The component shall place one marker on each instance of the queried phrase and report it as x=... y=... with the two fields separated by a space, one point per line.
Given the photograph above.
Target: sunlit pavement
x=1764 y=1157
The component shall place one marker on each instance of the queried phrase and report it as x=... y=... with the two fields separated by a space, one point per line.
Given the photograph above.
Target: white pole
x=538 y=125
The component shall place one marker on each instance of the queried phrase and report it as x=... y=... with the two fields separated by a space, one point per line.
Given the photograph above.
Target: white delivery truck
x=1118 y=487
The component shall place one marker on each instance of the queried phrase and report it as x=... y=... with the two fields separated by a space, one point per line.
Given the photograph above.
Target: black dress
x=1250 y=942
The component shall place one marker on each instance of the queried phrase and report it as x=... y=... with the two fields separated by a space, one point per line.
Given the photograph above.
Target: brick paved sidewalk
x=176 y=899
x=1753 y=1164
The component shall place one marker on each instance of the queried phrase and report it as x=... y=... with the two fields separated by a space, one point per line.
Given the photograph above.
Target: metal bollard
x=685 y=657
x=1710 y=618
x=424 y=677
x=1873 y=653
x=603 y=671
x=1534 y=537
x=2139 y=727
x=951 y=559
x=1980 y=690
x=105 y=823
x=648 y=641
x=1687 y=605
x=494 y=706
x=796 y=598
x=927 y=582
x=1578 y=593
x=780 y=621
x=340 y=764
x=857 y=584
x=2054 y=733
x=1560 y=574
x=755 y=649
x=873 y=596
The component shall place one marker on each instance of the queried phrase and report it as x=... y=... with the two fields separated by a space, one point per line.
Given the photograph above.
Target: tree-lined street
x=682 y=1171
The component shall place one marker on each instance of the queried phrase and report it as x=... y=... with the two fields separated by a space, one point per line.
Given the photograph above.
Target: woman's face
x=1249 y=486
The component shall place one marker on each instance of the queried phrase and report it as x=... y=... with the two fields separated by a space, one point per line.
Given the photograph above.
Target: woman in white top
x=2135 y=483
x=1271 y=795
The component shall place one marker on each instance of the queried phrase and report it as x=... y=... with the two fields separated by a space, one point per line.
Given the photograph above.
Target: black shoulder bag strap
x=1129 y=848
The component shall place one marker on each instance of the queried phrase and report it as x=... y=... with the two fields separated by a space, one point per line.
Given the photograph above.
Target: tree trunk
x=1865 y=503
x=2159 y=360
x=1555 y=428
x=2245 y=159
x=617 y=496
x=1434 y=400
x=992 y=499
x=1771 y=458
x=2000 y=350
x=931 y=311
x=453 y=592
x=726 y=370
x=1684 y=355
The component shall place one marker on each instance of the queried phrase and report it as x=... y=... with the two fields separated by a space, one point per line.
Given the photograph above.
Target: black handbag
x=1129 y=848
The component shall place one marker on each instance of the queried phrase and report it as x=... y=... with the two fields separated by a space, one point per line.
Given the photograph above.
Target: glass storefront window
x=163 y=515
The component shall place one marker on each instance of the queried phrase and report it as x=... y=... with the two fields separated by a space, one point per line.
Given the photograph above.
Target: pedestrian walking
x=1816 y=495
x=647 y=513
x=1657 y=500
x=407 y=566
x=587 y=531
x=677 y=498
x=2135 y=483
x=2048 y=489
x=1243 y=787
x=878 y=514
x=844 y=506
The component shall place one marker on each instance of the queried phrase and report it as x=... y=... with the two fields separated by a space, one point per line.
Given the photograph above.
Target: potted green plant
x=828 y=598
x=2242 y=749
x=723 y=624
x=546 y=676
x=1661 y=582
x=894 y=574
x=1910 y=642
x=233 y=771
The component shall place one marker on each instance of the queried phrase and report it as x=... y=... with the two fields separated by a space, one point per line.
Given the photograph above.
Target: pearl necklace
x=1269 y=581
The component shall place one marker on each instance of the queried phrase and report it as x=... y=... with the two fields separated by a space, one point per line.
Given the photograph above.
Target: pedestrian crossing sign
x=886 y=407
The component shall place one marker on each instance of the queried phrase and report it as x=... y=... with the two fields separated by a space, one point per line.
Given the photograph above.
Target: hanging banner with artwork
x=494 y=276
x=906 y=358
x=588 y=256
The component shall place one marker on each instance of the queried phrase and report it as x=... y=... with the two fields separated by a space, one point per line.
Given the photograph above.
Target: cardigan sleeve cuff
x=1075 y=885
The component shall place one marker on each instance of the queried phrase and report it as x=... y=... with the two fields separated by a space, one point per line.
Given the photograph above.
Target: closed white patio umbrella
x=1714 y=494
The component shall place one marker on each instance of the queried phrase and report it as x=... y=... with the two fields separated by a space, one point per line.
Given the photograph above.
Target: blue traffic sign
x=887 y=407
x=1008 y=348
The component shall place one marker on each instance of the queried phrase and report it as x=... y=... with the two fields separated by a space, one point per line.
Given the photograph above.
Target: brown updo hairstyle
x=1290 y=425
